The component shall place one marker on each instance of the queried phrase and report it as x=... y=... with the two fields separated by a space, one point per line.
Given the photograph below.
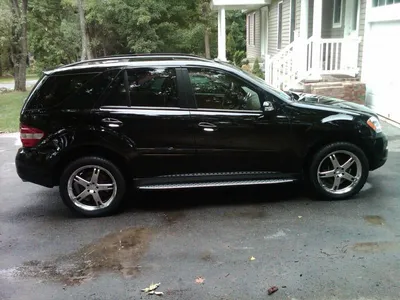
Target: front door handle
x=110 y=122
x=209 y=127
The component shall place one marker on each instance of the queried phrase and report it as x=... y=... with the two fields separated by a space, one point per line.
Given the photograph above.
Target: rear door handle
x=110 y=122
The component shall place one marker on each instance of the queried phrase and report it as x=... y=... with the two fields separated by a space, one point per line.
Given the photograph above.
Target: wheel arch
x=121 y=161
x=315 y=147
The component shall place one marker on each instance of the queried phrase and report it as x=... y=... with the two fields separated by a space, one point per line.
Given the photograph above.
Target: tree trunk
x=86 y=49
x=207 y=42
x=19 y=53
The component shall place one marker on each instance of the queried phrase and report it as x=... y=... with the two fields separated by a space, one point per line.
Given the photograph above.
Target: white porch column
x=304 y=19
x=317 y=29
x=301 y=57
x=221 y=34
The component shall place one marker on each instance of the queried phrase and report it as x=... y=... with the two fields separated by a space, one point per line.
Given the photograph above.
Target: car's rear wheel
x=92 y=186
x=338 y=171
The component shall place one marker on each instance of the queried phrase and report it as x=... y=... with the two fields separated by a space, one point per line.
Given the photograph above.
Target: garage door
x=382 y=67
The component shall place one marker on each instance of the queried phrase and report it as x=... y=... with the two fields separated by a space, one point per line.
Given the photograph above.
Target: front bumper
x=32 y=167
x=379 y=153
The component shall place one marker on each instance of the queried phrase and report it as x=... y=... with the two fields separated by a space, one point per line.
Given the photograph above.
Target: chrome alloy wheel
x=339 y=172
x=92 y=187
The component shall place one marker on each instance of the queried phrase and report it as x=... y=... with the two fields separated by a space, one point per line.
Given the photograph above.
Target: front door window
x=220 y=90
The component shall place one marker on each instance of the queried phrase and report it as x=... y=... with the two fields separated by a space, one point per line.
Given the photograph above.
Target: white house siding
x=286 y=23
x=361 y=24
x=298 y=12
x=254 y=51
x=273 y=26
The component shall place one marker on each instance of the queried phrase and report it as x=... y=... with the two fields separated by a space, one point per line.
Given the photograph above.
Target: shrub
x=257 y=69
x=238 y=57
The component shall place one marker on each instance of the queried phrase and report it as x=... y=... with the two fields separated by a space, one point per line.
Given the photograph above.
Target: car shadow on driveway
x=46 y=204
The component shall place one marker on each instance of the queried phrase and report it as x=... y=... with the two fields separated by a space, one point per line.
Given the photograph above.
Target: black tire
x=339 y=148
x=109 y=170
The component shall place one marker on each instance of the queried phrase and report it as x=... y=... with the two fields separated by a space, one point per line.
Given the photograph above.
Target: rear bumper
x=32 y=167
x=379 y=152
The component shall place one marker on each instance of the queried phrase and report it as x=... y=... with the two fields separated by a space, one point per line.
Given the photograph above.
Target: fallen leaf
x=200 y=280
x=272 y=290
x=300 y=217
x=155 y=293
x=152 y=287
x=252 y=258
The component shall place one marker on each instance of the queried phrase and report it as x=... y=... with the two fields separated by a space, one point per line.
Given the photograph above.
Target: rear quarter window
x=74 y=91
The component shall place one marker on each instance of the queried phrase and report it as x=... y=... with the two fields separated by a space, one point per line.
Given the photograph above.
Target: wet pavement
x=309 y=249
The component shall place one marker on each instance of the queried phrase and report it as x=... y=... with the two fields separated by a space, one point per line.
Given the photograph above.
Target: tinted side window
x=75 y=91
x=152 y=87
x=93 y=89
x=220 y=90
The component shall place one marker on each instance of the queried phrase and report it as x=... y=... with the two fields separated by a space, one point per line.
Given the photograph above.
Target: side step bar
x=185 y=185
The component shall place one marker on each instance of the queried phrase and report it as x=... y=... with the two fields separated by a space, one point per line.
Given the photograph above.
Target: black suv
x=97 y=127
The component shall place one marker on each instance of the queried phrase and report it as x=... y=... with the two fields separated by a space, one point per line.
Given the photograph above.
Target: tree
x=19 y=42
x=5 y=36
x=207 y=18
x=236 y=24
x=53 y=31
x=109 y=27
x=86 y=48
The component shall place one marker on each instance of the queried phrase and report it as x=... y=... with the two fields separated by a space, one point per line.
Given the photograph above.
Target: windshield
x=259 y=80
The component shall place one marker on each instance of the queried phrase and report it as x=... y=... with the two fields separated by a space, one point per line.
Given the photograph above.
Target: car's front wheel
x=92 y=186
x=338 y=171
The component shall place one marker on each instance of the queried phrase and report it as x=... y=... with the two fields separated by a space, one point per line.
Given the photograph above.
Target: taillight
x=30 y=136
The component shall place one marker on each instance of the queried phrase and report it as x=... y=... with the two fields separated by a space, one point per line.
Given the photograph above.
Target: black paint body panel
x=163 y=141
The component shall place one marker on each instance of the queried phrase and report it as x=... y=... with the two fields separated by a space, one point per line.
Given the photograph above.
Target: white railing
x=316 y=57
x=334 y=56
x=281 y=68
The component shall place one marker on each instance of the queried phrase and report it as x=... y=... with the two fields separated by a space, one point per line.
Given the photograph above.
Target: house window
x=254 y=29
x=337 y=13
x=251 y=29
x=280 y=8
x=292 y=19
x=383 y=2
x=248 y=30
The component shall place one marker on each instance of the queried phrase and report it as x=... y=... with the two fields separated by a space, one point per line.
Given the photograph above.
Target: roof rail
x=135 y=57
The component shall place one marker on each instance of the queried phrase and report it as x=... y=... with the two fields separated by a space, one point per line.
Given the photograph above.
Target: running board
x=167 y=186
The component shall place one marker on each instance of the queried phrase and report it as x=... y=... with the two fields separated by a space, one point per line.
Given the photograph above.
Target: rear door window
x=149 y=87
x=74 y=91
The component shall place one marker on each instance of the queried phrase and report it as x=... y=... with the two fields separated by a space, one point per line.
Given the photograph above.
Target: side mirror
x=267 y=106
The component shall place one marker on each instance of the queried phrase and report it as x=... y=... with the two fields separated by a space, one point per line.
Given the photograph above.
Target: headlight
x=373 y=122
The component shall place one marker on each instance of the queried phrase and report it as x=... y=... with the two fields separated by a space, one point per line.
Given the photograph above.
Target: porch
x=300 y=39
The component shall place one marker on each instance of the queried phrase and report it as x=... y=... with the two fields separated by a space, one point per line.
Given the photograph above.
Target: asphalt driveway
x=199 y=244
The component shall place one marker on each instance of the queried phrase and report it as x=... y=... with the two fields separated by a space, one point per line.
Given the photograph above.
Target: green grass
x=11 y=79
x=10 y=107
